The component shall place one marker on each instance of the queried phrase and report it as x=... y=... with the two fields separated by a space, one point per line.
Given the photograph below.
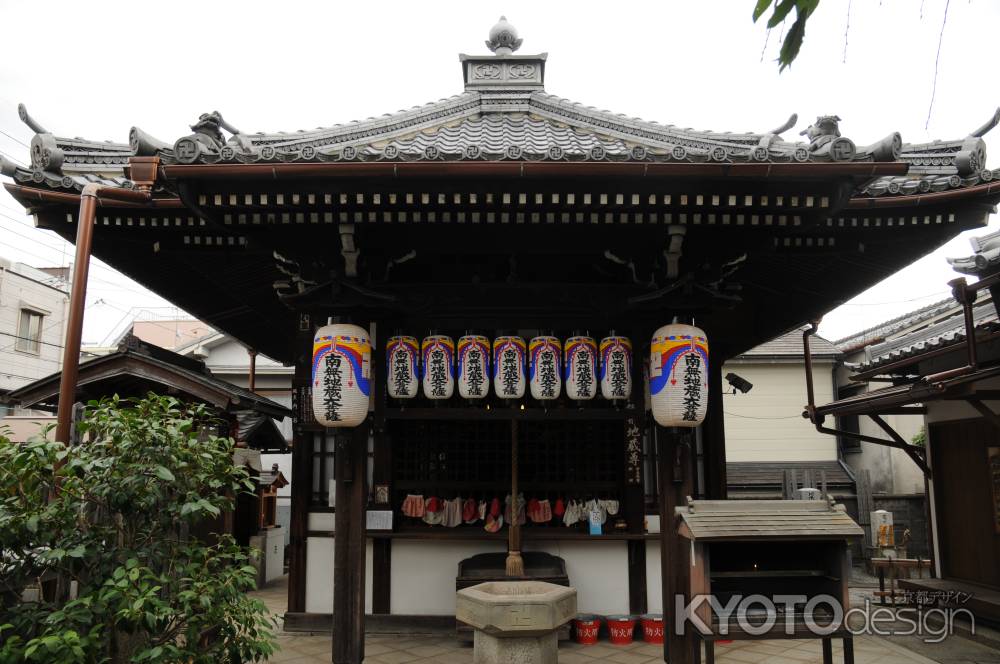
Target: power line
x=14 y=159
x=14 y=138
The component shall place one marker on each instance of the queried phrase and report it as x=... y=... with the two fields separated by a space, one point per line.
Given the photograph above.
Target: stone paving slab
x=298 y=648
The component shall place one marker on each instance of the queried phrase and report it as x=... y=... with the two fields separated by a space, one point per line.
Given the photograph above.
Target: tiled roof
x=879 y=332
x=504 y=113
x=948 y=332
x=790 y=345
x=770 y=474
x=762 y=520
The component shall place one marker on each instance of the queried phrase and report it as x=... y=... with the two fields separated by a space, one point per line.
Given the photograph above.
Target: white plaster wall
x=424 y=572
x=24 y=287
x=598 y=570
x=766 y=424
x=319 y=575
x=654 y=583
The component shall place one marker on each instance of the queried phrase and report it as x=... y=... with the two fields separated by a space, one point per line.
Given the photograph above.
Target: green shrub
x=114 y=515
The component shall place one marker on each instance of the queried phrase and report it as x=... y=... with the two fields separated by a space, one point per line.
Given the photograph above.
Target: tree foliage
x=115 y=516
x=792 y=42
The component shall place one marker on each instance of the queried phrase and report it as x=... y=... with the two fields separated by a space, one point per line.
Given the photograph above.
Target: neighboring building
x=230 y=360
x=891 y=471
x=954 y=377
x=766 y=434
x=33 y=306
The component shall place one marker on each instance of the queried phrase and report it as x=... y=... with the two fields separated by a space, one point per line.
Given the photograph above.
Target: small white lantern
x=341 y=371
x=473 y=366
x=678 y=376
x=508 y=367
x=402 y=355
x=438 y=366
x=544 y=368
x=616 y=367
x=581 y=368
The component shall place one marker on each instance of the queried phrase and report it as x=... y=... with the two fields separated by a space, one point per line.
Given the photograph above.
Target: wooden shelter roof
x=138 y=368
x=760 y=520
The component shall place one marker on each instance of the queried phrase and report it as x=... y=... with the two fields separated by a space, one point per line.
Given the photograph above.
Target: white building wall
x=766 y=424
x=24 y=287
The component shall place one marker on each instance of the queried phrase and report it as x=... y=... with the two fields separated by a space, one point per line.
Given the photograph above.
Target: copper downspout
x=810 y=412
x=252 y=378
x=89 y=198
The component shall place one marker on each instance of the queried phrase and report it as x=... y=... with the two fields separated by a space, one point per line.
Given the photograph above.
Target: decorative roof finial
x=503 y=38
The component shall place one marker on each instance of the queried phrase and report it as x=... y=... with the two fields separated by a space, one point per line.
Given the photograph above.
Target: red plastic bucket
x=586 y=627
x=652 y=628
x=620 y=629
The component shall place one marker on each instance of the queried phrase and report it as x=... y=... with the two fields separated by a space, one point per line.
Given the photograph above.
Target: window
x=29 y=331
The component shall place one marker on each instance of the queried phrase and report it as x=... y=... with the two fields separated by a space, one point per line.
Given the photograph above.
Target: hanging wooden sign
x=678 y=375
x=402 y=367
x=473 y=367
x=581 y=368
x=616 y=367
x=341 y=371
x=438 y=366
x=544 y=368
x=508 y=367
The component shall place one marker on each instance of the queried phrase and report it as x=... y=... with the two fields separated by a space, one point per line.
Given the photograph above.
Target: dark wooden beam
x=713 y=433
x=675 y=456
x=351 y=469
x=634 y=500
x=302 y=457
x=381 y=476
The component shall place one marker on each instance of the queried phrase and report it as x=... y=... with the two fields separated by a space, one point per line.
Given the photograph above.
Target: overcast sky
x=95 y=69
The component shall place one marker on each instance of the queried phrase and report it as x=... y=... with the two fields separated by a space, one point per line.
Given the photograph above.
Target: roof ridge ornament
x=506 y=79
x=503 y=38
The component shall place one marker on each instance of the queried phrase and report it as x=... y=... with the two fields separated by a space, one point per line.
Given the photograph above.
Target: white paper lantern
x=581 y=368
x=616 y=367
x=402 y=356
x=438 y=366
x=678 y=376
x=508 y=367
x=544 y=368
x=341 y=371
x=473 y=366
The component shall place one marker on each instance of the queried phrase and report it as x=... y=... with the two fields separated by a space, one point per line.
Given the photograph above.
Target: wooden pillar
x=713 y=433
x=675 y=463
x=350 y=469
x=381 y=476
x=634 y=500
x=302 y=459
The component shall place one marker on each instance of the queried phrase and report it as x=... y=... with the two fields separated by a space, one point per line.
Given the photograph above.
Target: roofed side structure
x=789 y=347
x=754 y=520
x=137 y=368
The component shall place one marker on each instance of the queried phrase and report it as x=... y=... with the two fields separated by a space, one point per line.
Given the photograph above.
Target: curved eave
x=933 y=198
x=765 y=170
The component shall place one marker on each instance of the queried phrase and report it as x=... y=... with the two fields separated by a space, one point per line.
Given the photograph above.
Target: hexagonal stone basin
x=516 y=621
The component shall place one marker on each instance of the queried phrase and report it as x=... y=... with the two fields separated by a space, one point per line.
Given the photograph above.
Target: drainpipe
x=252 y=378
x=143 y=172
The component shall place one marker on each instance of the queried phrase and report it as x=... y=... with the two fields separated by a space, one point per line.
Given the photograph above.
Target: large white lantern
x=473 y=366
x=678 y=376
x=616 y=367
x=508 y=367
x=580 y=369
x=544 y=368
x=402 y=355
x=341 y=371
x=438 y=366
